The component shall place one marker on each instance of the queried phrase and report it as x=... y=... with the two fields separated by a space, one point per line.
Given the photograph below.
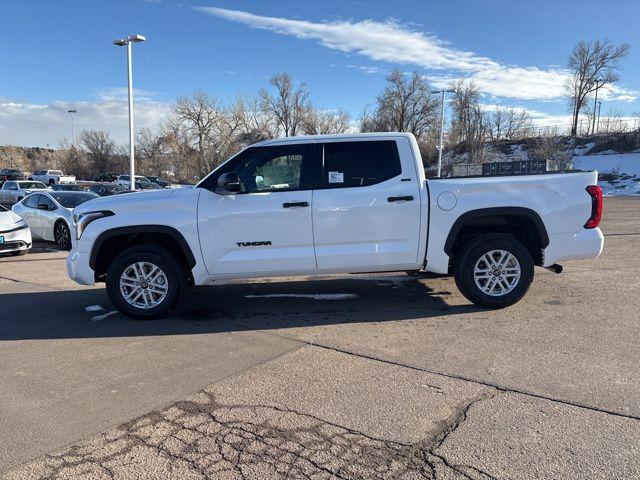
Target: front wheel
x=494 y=271
x=144 y=282
x=62 y=235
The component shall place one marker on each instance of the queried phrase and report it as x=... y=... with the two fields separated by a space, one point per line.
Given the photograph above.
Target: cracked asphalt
x=404 y=380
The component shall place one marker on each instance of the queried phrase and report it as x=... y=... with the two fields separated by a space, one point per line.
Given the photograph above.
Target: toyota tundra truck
x=330 y=205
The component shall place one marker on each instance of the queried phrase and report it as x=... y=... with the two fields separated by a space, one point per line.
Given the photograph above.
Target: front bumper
x=15 y=241
x=587 y=243
x=78 y=268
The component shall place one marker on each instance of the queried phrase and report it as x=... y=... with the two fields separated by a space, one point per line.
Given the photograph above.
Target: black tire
x=62 y=235
x=469 y=255
x=159 y=257
x=20 y=253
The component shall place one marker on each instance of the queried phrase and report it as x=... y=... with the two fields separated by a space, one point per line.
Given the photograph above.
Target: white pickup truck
x=51 y=177
x=334 y=204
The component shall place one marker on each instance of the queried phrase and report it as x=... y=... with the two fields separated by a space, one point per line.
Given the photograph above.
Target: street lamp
x=443 y=92
x=121 y=43
x=72 y=111
x=599 y=83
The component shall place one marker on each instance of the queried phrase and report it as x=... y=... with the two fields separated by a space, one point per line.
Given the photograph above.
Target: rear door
x=366 y=216
x=266 y=228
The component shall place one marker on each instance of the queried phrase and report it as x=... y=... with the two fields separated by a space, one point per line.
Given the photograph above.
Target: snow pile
x=583 y=149
x=619 y=172
x=620 y=163
x=620 y=187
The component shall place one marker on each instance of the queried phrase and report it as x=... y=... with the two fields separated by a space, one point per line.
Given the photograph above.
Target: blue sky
x=58 y=54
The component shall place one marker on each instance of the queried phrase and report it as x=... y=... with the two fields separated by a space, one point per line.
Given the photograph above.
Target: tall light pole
x=72 y=111
x=443 y=92
x=599 y=83
x=121 y=43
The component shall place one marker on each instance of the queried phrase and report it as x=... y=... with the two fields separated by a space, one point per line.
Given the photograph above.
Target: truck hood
x=141 y=201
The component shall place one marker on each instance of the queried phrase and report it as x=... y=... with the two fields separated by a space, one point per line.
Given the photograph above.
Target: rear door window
x=359 y=164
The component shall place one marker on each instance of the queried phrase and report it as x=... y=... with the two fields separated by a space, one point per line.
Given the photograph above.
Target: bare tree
x=593 y=65
x=322 y=122
x=288 y=105
x=198 y=115
x=509 y=123
x=405 y=105
x=255 y=124
x=101 y=150
x=469 y=123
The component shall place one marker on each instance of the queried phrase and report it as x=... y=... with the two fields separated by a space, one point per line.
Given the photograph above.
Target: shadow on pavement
x=226 y=308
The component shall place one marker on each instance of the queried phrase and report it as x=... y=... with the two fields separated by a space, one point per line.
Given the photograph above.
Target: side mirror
x=228 y=183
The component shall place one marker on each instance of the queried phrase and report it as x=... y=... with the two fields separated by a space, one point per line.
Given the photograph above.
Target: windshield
x=72 y=200
x=31 y=185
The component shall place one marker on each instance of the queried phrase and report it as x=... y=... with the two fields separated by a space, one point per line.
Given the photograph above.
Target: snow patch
x=626 y=187
x=314 y=296
x=622 y=163
x=93 y=308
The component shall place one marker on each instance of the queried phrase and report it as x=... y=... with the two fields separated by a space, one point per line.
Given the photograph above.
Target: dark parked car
x=69 y=187
x=106 y=177
x=143 y=185
x=106 y=189
x=7 y=174
x=159 y=180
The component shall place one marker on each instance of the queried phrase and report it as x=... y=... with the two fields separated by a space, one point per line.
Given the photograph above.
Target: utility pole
x=72 y=112
x=599 y=83
x=443 y=92
x=122 y=43
x=598 y=123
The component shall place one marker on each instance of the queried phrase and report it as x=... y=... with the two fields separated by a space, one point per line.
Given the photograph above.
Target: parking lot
x=380 y=376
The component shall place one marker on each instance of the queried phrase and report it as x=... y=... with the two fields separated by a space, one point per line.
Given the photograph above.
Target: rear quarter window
x=359 y=164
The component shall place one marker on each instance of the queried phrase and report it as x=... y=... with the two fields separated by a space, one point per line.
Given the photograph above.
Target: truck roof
x=333 y=137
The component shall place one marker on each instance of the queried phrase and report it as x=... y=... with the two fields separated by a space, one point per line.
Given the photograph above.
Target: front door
x=265 y=229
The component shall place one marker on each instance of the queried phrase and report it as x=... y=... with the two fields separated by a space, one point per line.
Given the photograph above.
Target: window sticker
x=336 y=177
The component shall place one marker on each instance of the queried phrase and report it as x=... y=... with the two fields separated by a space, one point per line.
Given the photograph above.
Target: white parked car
x=15 y=190
x=51 y=177
x=125 y=180
x=335 y=204
x=50 y=214
x=15 y=236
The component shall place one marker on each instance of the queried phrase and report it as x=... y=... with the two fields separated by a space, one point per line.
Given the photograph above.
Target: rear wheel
x=144 y=282
x=19 y=253
x=62 y=235
x=494 y=271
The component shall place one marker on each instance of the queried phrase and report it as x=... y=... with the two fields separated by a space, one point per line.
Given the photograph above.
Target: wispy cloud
x=393 y=42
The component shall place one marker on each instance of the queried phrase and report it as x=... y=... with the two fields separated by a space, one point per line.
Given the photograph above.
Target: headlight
x=82 y=220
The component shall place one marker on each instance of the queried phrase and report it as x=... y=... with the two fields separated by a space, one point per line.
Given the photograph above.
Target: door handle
x=406 y=198
x=295 y=204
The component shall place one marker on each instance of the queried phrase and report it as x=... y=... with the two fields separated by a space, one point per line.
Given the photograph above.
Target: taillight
x=596 y=206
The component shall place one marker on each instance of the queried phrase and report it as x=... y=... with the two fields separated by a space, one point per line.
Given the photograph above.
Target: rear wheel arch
x=522 y=223
x=110 y=243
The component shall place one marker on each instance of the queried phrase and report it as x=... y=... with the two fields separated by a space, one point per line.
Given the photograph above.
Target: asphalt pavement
x=372 y=376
